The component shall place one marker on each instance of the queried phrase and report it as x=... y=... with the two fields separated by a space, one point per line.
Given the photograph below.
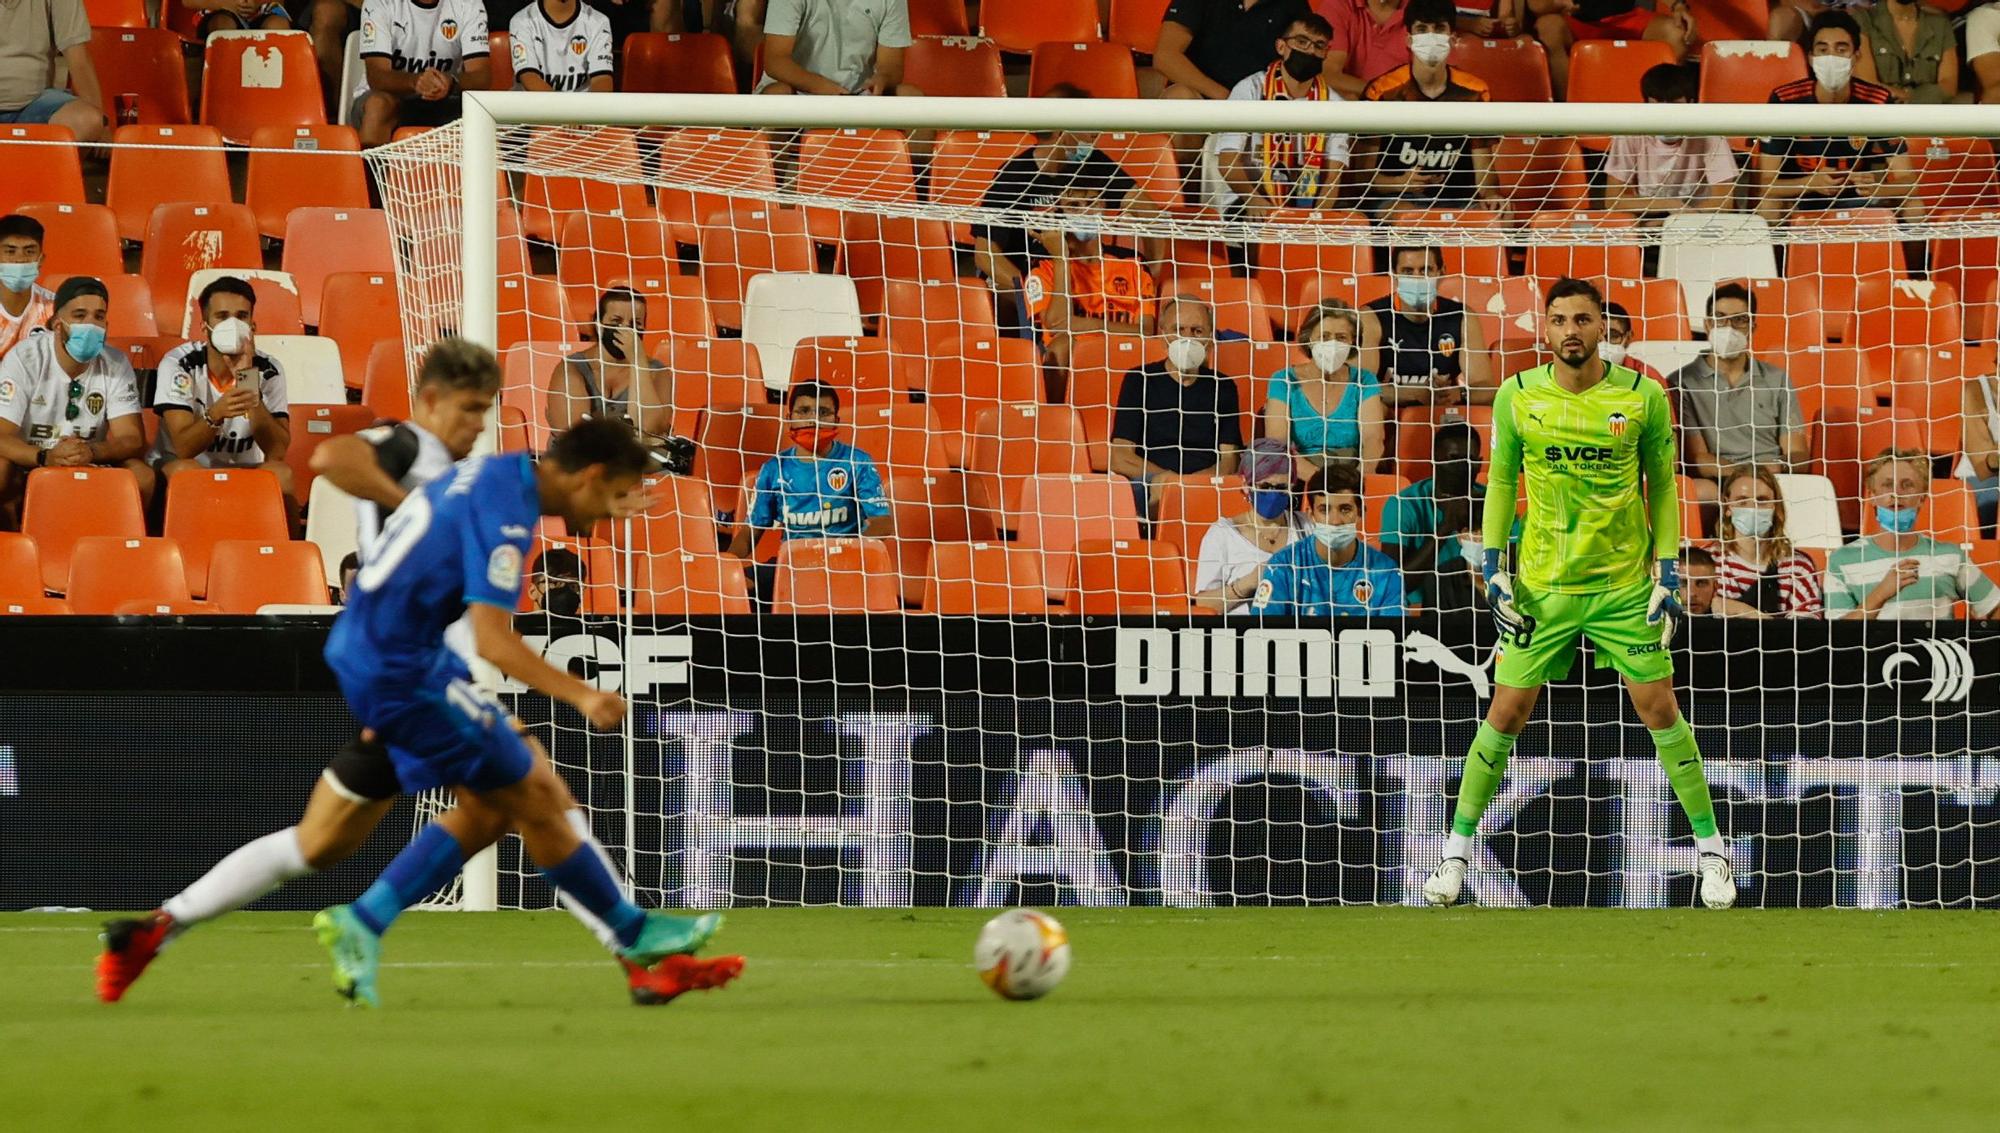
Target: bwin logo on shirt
x=1952 y=672
x=1441 y=158
x=821 y=518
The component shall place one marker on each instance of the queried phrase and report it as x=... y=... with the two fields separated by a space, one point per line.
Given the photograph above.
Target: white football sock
x=1712 y=844
x=1458 y=846
x=580 y=822
x=253 y=870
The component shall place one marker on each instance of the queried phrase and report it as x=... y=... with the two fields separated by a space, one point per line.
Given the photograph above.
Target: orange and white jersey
x=41 y=304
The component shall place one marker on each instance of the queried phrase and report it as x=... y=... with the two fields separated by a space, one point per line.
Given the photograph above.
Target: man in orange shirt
x=24 y=303
x=1083 y=285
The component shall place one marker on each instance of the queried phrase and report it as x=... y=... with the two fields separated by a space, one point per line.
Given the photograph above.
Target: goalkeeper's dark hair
x=460 y=364
x=607 y=441
x=1338 y=478
x=15 y=226
x=1731 y=290
x=1430 y=12
x=1669 y=82
x=1569 y=287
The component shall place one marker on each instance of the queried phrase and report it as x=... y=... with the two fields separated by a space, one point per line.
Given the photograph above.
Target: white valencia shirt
x=37 y=395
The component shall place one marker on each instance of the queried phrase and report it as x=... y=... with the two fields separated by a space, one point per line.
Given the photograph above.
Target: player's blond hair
x=1781 y=543
x=458 y=363
x=1894 y=456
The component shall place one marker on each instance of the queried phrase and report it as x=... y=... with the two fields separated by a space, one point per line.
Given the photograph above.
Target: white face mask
x=1752 y=521
x=1728 y=342
x=1610 y=351
x=1430 y=48
x=229 y=335
x=1330 y=356
x=1334 y=536
x=1832 y=71
x=1186 y=354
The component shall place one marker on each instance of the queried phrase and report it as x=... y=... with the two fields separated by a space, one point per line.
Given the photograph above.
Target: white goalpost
x=1014 y=688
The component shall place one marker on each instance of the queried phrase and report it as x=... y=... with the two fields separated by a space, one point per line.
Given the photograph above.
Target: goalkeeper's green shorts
x=1613 y=620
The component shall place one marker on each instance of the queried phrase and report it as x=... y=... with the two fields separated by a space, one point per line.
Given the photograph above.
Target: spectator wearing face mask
x=24 y=303
x=1206 y=47
x=613 y=376
x=1264 y=172
x=1736 y=408
x=1082 y=285
x=1428 y=170
x=1333 y=573
x=1617 y=341
x=1427 y=350
x=1911 y=50
x=1421 y=524
x=820 y=486
x=1897 y=572
x=1326 y=407
x=556 y=584
x=1174 y=416
x=1653 y=176
x=1812 y=174
x=1235 y=548
x=222 y=404
x=1758 y=572
x=65 y=400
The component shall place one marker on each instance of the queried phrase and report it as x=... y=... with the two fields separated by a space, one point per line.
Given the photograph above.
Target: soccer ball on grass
x=1022 y=954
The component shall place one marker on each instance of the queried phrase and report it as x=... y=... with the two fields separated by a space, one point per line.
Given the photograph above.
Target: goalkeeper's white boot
x=1442 y=886
x=1718 y=882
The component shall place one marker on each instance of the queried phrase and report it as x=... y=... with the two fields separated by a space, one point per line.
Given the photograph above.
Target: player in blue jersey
x=1332 y=573
x=455 y=550
x=819 y=487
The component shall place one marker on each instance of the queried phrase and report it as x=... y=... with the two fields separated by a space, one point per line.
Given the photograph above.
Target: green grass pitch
x=1321 y=1019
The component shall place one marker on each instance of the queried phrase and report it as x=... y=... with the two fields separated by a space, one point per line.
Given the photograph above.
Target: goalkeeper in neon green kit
x=1589 y=435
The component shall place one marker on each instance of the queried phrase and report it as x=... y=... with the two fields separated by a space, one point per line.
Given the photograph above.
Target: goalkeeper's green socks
x=1485 y=763
x=1682 y=761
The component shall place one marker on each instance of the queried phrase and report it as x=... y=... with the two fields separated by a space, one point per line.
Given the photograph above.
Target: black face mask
x=612 y=341
x=1303 y=67
x=563 y=599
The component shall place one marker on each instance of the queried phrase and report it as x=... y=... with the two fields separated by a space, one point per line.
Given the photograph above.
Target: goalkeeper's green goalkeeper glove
x=1510 y=621
x=1664 y=609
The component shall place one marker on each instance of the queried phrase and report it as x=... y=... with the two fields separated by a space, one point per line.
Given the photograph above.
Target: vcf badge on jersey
x=1364 y=589
x=836 y=478
x=1447 y=345
x=576 y=45
x=448 y=29
x=1616 y=423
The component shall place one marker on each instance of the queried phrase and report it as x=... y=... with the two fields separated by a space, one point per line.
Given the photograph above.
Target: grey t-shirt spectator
x=1745 y=423
x=837 y=38
x=1181 y=428
x=32 y=34
x=1231 y=41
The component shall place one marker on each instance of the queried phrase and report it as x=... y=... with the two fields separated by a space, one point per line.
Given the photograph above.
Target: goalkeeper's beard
x=1575 y=356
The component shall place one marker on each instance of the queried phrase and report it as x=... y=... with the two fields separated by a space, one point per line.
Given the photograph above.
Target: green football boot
x=356 y=952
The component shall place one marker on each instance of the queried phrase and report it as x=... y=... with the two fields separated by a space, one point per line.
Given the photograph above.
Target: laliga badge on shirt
x=1263 y=592
x=836 y=479
x=6 y=390
x=503 y=568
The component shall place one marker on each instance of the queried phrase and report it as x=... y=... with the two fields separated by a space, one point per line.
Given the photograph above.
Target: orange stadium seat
x=111 y=570
x=547 y=200
x=714 y=372
x=185 y=238
x=1608 y=70
x=159 y=608
x=1148 y=159
x=679 y=516
x=1136 y=23
x=77 y=239
x=1905 y=312
x=683 y=582
x=1954 y=174
x=181 y=20
x=1840 y=268
x=1515 y=302
x=532 y=308
x=1788 y=315
x=1746 y=70
x=20 y=567
x=862 y=369
x=1124 y=576
x=835 y=576
x=965 y=162
x=744 y=240
x=1717 y=20
x=1239 y=304
x=1489 y=257
x=357 y=310
x=145 y=64
x=1098 y=69
x=34 y=604
x=132 y=310
x=277 y=301
x=1849 y=438
x=173 y=164
x=500 y=59
x=525 y=369
x=877 y=250
x=1540 y=175
x=984 y=578
x=927 y=508
x=1971 y=265
x=1008 y=444
x=1097 y=372
x=599 y=250
x=207 y=506
x=735 y=441
x=245 y=575
x=1655 y=306
x=38 y=169
x=599 y=565
x=958 y=67
x=385 y=385
x=939 y=17
x=322 y=241
x=726 y=161
x=1928 y=383
x=902 y=438
x=312 y=426
x=1018 y=25
x=658 y=63
x=854 y=164
x=978 y=372
x=319 y=168
x=1692 y=527
x=1515 y=70
x=1285 y=267
x=1061 y=510
x=1190 y=505
x=513 y=429
x=1824 y=375
x=1609 y=257
x=116 y=14
x=920 y=318
x=260 y=78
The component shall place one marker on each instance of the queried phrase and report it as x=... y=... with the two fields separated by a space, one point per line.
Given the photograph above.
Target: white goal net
x=995 y=409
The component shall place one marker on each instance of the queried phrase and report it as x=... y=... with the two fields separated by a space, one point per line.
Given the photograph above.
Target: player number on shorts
x=405 y=527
